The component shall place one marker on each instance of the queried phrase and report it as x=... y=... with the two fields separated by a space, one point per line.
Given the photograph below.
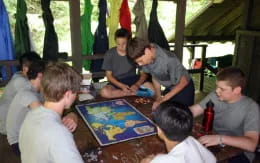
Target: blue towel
x=145 y=92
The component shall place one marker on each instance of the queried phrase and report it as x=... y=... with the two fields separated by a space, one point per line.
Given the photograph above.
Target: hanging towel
x=140 y=20
x=6 y=41
x=113 y=20
x=100 y=45
x=125 y=16
x=51 y=46
x=155 y=31
x=87 y=39
x=22 y=38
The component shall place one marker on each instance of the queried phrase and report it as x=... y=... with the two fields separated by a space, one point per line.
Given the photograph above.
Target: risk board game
x=115 y=121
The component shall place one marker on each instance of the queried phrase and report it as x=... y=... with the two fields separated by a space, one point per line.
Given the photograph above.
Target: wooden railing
x=203 y=58
x=9 y=63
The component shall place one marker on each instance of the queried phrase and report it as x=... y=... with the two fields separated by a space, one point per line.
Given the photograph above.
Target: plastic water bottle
x=208 y=116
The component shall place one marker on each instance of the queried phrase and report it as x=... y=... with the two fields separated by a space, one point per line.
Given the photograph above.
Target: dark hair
x=57 y=79
x=122 y=32
x=36 y=67
x=27 y=58
x=175 y=120
x=234 y=76
x=136 y=47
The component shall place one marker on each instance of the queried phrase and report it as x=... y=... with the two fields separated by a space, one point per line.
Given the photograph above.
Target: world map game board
x=115 y=121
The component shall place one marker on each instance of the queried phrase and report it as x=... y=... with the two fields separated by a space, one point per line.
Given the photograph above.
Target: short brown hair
x=136 y=47
x=57 y=79
x=234 y=76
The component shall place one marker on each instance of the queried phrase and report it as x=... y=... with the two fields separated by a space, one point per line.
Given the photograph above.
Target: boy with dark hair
x=26 y=60
x=174 y=125
x=236 y=118
x=43 y=137
x=121 y=73
x=18 y=81
x=25 y=99
x=166 y=70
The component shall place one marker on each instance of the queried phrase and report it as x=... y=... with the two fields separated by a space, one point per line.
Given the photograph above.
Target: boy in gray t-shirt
x=43 y=137
x=236 y=118
x=18 y=81
x=25 y=99
x=166 y=70
x=121 y=72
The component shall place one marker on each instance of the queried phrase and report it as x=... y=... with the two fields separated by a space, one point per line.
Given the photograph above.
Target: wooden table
x=133 y=151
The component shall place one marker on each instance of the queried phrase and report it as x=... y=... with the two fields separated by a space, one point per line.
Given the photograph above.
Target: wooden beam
x=180 y=26
x=227 y=18
x=93 y=57
x=255 y=23
x=218 y=1
x=201 y=27
x=247 y=14
x=210 y=38
x=75 y=34
x=234 y=25
x=203 y=61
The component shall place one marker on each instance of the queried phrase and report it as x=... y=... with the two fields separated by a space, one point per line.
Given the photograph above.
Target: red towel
x=125 y=16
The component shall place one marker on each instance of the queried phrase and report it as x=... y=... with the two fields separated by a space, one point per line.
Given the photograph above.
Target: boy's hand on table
x=134 y=88
x=128 y=91
x=209 y=140
x=70 y=121
x=126 y=88
x=148 y=159
x=157 y=102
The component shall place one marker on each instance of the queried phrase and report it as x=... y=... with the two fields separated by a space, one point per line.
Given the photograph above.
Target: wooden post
x=75 y=34
x=248 y=8
x=180 y=26
x=203 y=61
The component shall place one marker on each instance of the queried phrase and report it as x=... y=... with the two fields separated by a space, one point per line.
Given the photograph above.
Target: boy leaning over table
x=236 y=118
x=174 y=126
x=166 y=70
x=43 y=136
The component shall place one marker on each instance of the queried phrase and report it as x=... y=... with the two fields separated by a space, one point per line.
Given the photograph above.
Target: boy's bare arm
x=196 y=110
x=70 y=121
x=246 y=142
x=113 y=80
x=183 y=82
x=35 y=104
x=157 y=87
x=176 y=89
x=143 y=77
x=148 y=159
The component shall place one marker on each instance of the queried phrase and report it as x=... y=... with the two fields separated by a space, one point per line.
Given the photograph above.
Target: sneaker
x=144 y=92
